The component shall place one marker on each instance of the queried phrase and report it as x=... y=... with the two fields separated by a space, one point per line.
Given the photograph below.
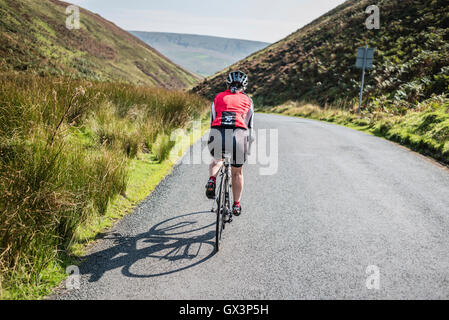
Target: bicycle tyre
x=220 y=209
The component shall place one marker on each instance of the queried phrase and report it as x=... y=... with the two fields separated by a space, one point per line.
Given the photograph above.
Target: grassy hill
x=316 y=63
x=204 y=55
x=34 y=39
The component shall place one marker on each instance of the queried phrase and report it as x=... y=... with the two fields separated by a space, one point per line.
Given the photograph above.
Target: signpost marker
x=365 y=57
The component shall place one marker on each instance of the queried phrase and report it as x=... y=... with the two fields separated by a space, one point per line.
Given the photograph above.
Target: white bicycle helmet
x=237 y=80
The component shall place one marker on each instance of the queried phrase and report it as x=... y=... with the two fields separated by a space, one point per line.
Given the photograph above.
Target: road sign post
x=365 y=57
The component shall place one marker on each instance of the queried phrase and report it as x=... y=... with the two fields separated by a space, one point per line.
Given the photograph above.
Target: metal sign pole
x=363 y=78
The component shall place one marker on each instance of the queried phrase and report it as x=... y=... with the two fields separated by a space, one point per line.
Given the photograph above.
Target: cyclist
x=232 y=116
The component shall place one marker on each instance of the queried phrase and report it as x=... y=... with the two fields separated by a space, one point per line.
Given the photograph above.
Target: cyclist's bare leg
x=237 y=183
x=214 y=167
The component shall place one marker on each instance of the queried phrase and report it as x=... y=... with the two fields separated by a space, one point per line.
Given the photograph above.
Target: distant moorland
x=204 y=55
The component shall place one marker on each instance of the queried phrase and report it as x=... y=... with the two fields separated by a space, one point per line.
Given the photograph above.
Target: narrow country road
x=341 y=201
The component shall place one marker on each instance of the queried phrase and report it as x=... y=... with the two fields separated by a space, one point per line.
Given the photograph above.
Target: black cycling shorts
x=233 y=141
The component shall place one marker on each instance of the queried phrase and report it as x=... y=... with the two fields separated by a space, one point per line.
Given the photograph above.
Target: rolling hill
x=316 y=63
x=34 y=38
x=204 y=55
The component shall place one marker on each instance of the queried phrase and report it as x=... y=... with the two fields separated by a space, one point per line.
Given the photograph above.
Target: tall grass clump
x=162 y=147
x=64 y=151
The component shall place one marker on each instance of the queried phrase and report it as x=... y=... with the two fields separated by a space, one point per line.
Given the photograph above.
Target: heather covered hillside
x=316 y=63
x=34 y=39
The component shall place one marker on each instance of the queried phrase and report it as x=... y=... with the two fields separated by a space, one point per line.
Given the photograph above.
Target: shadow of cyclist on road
x=170 y=246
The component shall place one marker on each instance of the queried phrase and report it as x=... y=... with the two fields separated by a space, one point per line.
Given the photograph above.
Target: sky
x=262 y=20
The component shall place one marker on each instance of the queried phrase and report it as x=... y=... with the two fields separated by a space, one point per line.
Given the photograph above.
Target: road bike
x=223 y=200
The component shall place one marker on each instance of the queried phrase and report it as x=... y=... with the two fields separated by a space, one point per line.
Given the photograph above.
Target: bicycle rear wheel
x=220 y=214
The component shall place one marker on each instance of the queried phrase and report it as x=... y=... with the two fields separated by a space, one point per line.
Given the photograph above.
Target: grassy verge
x=145 y=172
x=75 y=157
x=424 y=129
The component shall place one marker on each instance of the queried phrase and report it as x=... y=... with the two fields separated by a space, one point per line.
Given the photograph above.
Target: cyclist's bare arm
x=251 y=121
x=212 y=113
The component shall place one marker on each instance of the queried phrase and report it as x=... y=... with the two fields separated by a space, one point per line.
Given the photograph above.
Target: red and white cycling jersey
x=233 y=110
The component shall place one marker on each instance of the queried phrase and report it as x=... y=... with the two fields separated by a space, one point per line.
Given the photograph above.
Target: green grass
x=144 y=175
x=424 y=130
x=74 y=157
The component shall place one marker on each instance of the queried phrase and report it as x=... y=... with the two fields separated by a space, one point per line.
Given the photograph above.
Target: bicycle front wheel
x=220 y=214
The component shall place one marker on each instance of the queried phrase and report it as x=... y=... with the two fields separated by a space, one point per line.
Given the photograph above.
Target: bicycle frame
x=225 y=173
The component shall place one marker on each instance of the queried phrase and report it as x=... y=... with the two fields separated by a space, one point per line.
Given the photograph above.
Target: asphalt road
x=341 y=201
